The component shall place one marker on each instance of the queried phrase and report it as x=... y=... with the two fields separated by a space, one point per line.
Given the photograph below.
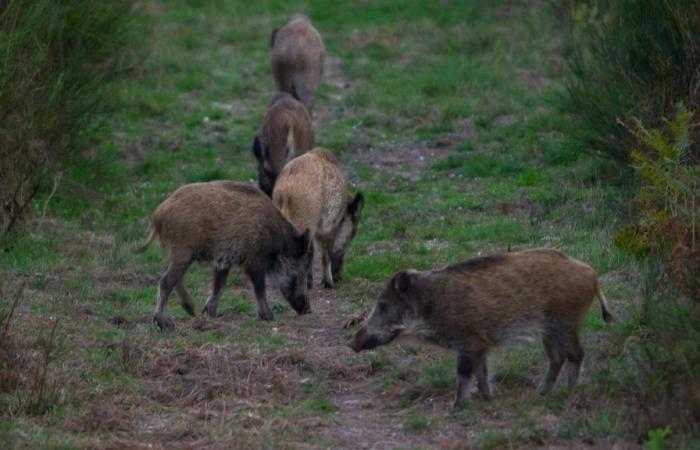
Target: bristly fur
x=298 y=55
x=489 y=301
x=475 y=264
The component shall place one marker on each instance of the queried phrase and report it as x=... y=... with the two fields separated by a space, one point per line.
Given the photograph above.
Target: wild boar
x=298 y=55
x=312 y=193
x=228 y=223
x=285 y=133
x=478 y=304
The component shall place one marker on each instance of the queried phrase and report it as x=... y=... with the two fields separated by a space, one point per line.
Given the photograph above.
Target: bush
x=669 y=200
x=665 y=346
x=630 y=58
x=59 y=59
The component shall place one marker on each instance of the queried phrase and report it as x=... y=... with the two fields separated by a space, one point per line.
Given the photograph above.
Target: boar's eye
x=382 y=307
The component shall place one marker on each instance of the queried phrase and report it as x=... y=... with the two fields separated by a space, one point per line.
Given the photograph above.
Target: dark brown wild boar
x=297 y=59
x=285 y=133
x=227 y=223
x=312 y=193
x=478 y=304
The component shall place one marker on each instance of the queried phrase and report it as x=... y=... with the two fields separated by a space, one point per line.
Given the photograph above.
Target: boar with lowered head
x=297 y=59
x=312 y=193
x=285 y=133
x=473 y=306
x=227 y=223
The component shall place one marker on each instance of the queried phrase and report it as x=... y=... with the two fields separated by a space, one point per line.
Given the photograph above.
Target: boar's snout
x=362 y=341
x=301 y=305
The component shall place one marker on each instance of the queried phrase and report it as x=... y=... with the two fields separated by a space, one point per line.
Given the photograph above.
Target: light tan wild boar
x=298 y=54
x=228 y=223
x=312 y=194
x=478 y=304
x=285 y=133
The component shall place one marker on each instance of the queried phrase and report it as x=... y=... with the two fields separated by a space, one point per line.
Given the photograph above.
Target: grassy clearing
x=440 y=115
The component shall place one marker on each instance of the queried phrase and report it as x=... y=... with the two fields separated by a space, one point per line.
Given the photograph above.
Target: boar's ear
x=273 y=36
x=355 y=206
x=257 y=149
x=402 y=281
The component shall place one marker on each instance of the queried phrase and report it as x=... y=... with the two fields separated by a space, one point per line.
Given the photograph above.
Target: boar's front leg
x=217 y=285
x=468 y=363
x=465 y=366
x=257 y=277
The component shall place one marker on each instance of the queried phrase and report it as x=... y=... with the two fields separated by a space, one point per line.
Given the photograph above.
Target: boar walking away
x=285 y=133
x=481 y=303
x=312 y=193
x=297 y=59
x=227 y=223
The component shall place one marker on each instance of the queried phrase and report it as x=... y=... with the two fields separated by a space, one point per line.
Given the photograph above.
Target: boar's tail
x=286 y=206
x=152 y=233
x=605 y=309
x=291 y=145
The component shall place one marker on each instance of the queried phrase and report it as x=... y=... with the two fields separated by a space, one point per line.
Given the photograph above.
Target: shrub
x=669 y=200
x=59 y=59
x=630 y=58
x=665 y=350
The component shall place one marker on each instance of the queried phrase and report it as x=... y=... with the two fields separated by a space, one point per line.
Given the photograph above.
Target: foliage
x=656 y=439
x=665 y=240
x=58 y=61
x=669 y=199
x=630 y=58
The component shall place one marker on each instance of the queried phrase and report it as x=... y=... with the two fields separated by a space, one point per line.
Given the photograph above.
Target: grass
x=413 y=79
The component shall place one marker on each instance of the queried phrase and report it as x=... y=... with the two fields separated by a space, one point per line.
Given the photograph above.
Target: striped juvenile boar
x=285 y=133
x=227 y=223
x=476 y=305
x=297 y=59
x=312 y=193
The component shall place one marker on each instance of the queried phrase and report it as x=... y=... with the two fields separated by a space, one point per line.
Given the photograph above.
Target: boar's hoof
x=265 y=315
x=327 y=284
x=189 y=309
x=163 y=322
x=209 y=310
x=458 y=406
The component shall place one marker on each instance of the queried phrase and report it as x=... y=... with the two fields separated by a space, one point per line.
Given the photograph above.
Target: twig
x=56 y=181
x=6 y=325
x=15 y=217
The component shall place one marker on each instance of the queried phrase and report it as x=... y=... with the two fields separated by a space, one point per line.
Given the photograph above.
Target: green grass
x=416 y=422
x=417 y=72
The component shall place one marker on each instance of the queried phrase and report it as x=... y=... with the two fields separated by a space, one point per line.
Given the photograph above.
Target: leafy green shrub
x=630 y=58
x=58 y=59
x=669 y=200
x=665 y=349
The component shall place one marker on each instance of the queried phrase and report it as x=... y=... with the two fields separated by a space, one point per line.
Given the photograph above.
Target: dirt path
x=362 y=420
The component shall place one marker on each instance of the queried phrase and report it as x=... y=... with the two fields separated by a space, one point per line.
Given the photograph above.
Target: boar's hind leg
x=552 y=345
x=185 y=299
x=303 y=93
x=574 y=358
x=257 y=277
x=310 y=276
x=217 y=285
x=327 y=272
x=176 y=269
x=482 y=379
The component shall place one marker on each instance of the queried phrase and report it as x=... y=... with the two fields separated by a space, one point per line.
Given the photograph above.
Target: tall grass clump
x=630 y=59
x=59 y=61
